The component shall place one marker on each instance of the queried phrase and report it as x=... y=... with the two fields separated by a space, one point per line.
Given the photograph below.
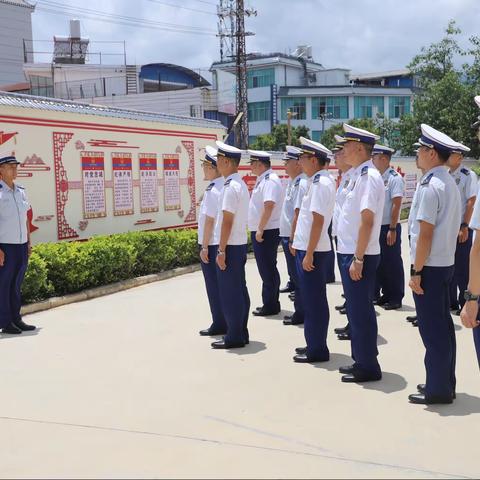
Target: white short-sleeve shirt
x=234 y=198
x=467 y=184
x=475 y=220
x=394 y=188
x=366 y=193
x=437 y=201
x=268 y=188
x=320 y=199
x=14 y=206
x=296 y=190
x=209 y=207
x=341 y=194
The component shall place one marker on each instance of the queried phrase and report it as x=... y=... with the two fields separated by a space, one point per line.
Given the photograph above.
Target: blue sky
x=364 y=35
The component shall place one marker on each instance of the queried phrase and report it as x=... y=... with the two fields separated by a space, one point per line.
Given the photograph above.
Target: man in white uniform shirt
x=467 y=184
x=206 y=225
x=312 y=246
x=231 y=237
x=359 y=250
x=435 y=222
x=390 y=285
x=264 y=224
x=296 y=189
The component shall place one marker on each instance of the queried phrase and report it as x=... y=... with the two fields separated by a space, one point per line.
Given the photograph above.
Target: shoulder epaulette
x=227 y=183
x=393 y=173
x=426 y=181
x=1 y=186
x=465 y=171
x=364 y=170
x=267 y=176
x=316 y=178
x=297 y=182
x=347 y=182
x=210 y=187
x=20 y=187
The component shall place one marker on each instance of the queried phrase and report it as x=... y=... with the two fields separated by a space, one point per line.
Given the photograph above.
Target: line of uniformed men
x=365 y=211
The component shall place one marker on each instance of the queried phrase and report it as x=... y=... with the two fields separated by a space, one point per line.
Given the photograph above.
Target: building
x=15 y=34
x=317 y=97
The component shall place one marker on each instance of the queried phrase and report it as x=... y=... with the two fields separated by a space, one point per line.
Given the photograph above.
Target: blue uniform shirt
x=466 y=181
x=437 y=201
x=394 y=188
x=13 y=214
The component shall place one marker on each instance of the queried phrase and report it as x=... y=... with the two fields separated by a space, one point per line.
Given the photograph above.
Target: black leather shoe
x=411 y=318
x=287 y=289
x=344 y=336
x=421 y=389
x=263 y=312
x=357 y=376
x=342 y=329
x=421 y=399
x=457 y=312
x=293 y=321
x=380 y=301
x=330 y=280
x=454 y=307
x=392 y=306
x=287 y=317
x=302 y=358
x=221 y=345
x=301 y=350
x=23 y=326
x=291 y=296
x=343 y=311
x=341 y=307
x=210 y=333
x=415 y=323
x=347 y=369
x=11 y=330
x=258 y=308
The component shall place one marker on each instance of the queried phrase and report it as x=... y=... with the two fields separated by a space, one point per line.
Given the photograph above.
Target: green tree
x=277 y=140
x=328 y=138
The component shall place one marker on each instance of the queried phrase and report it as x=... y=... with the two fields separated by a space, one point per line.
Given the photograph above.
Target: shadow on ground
x=464 y=405
x=251 y=349
x=4 y=336
x=390 y=383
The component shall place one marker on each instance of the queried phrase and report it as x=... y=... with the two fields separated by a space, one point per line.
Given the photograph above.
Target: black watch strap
x=470 y=297
x=415 y=273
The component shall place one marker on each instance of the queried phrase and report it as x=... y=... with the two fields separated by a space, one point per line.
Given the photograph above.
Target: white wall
x=15 y=25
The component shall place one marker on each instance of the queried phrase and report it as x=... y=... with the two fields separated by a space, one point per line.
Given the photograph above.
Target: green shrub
x=36 y=285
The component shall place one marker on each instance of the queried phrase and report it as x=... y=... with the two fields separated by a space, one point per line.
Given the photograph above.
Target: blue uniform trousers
x=476 y=339
x=266 y=258
x=209 y=271
x=361 y=312
x=390 y=273
x=460 y=275
x=437 y=330
x=11 y=278
x=292 y=271
x=234 y=297
x=331 y=258
x=314 y=297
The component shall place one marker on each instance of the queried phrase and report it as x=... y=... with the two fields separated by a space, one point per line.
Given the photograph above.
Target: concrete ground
x=123 y=386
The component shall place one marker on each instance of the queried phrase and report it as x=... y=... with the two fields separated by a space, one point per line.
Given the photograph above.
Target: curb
x=102 y=291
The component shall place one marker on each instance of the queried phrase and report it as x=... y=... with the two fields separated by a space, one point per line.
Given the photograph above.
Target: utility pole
x=323 y=117
x=290 y=115
x=226 y=29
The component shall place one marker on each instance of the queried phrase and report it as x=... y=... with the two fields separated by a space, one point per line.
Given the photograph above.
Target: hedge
x=60 y=268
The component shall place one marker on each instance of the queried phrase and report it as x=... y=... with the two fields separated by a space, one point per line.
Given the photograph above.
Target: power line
x=183 y=7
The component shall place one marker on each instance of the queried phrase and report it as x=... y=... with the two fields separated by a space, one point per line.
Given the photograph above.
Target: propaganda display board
x=93 y=183
x=122 y=184
x=148 y=183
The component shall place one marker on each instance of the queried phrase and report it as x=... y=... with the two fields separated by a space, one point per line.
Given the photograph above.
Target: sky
x=362 y=35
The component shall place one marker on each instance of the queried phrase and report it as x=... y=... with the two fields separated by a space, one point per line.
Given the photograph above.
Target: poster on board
x=148 y=183
x=171 y=172
x=122 y=184
x=93 y=185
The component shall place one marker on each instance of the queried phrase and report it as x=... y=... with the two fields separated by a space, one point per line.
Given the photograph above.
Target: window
x=41 y=86
x=368 y=107
x=296 y=105
x=398 y=106
x=260 y=78
x=334 y=107
x=259 y=111
x=316 y=135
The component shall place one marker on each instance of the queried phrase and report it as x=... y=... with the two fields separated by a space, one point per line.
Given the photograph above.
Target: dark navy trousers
x=361 y=312
x=234 y=297
x=11 y=278
x=331 y=258
x=209 y=270
x=314 y=297
x=476 y=339
x=292 y=272
x=437 y=330
x=460 y=275
x=266 y=258
x=390 y=273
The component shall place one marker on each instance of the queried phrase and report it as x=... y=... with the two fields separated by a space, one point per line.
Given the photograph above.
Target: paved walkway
x=122 y=386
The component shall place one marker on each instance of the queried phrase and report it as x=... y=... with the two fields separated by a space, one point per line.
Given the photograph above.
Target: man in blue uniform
x=359 y=252
x=435 y=222
x=467 y=184
x=264 y=224
x=231 y=237
x=312 y=246
x=15 y=245
x=206 y=240
x=390 y=287
x=296 y=189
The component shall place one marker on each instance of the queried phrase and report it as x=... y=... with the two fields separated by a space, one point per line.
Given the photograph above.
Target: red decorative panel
x=64 y=230
x=192 y=214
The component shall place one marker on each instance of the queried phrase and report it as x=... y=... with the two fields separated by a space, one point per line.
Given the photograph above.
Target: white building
x=318 y=97
x=15 y=39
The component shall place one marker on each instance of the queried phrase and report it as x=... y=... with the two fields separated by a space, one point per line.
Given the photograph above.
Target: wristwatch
x=415 y=273
x=358 y=260
x=464 y=225
x=470 y=297
x=220 y=253
x=392 y=229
